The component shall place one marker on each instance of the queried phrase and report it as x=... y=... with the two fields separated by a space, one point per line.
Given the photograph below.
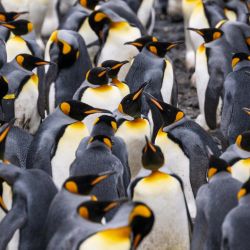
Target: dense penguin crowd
x=96 y=153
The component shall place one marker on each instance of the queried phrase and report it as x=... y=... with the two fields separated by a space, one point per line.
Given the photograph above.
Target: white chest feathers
x=241 y=170
x=133 y=133
x=163 y=194
x=66 y=150
x=168 y=82
x=105 y=97
x=144 y=11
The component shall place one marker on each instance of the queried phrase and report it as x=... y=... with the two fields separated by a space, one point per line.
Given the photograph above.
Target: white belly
x=15 y=5
x=241 y=170
x=144 y=11
x=52 y=98
x=167 y=83
x=65 y=152
x=165 y=197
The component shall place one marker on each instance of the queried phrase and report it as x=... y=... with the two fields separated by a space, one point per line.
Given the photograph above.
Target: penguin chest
x=65 y=151
x=133 y=133
x=26 y=111
x=106 y=97
x=241 y=170
x=87 y=33
x=144 y=11
x=163 y=194
x=231 y=15
x=167 y=82
x=15 y=5
x=112 y=239
x=15 y=46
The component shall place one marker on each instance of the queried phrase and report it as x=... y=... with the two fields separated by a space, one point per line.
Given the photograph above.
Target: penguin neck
x=245 y=200
x=117 y=82
x=241 y=152
x=220 y=176
x=241 y=65
x=175 y=124
x=148 y=53
x=102 y=128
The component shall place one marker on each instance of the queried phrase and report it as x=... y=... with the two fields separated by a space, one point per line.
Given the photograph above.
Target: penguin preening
x=213 y=204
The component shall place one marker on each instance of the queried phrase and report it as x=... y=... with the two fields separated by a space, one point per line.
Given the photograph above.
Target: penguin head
x=217 y=165
x=239 y=57
x=132 y=103
x=89 y=4
x=169 y=113
x=10 y=16
x=19 y=27
x=79 y=110
x=83 y=185
x=152 y=156
x=107 y=120
x=114 y=67
x=209 y=34
x=101 y=140
x=3 y=87
x=142 y=41
x=243 y=141
x=98 y=76
x=245 y=190
x=64 y=47
x=161 y=48
x=30 y=62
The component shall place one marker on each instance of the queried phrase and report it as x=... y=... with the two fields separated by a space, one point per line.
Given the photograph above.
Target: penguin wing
x=132 y=186
x=79 y=93
x=41 y=102
x=14 y=220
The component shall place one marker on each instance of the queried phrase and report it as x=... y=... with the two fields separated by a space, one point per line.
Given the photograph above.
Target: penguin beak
x=119 y=65
x=8 y=26
x=102 y=176
x=154 y=101
x=41 y=63
x=133 y=43
x=18 y=14
x=247 y=110
x=149 y=145
x=4 y=130
x=96 y=111
x=173 y=45
x=197 y=31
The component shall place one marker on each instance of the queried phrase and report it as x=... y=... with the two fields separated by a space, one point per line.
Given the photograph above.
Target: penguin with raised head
x=114 y=68
x=97 y=91
x=98 y=157
x=57 y=139
x=27 y=195
x=234 y=121
x=133 y=128
x=235 y=228
x=68 y=50
x=75 y=190
x=213 y=204
x=213 y=63
x=163 y=193
x=238 y=156
x=186 y=147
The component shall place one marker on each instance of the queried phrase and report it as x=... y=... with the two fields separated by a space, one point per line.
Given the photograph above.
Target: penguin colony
x=96 y=153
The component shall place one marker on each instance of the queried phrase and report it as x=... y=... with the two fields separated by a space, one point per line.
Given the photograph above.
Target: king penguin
x=213 y=204
x=163 y=193
x=234 y=121
x=235 y=228
x=57 y=139
x=185 y=146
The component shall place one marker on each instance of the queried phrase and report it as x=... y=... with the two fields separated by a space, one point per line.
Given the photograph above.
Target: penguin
x=68 y=50
x=238 y=156
x=131 y=224
x=213 y=64
x=163 y=193
x=24 y=86
x=27 y=195
x=98 y=157
x=133 y=128
x=186 y=147
x=213 y=204
x=119 y=31
x=114 y=68
x=233 y=120
x=57 y=139
x=107 y=125
x=97 y=91
x=236 y=11
x=74 y=191
x=235 y=229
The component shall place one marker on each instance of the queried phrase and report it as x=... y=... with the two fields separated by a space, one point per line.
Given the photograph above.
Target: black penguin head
x=142 y=41
x=243 y=141
x=98 y=76
x=239 y=57
x=131 y=104
x=169 y=113
x=83 y=185
x=114 y=67
x=141 y=220
x=217 y=165
x=103 y=139
x=152 y=156
x=3 y=87
x=10 y=16
x=161 y=48
x=210 y=34
x=108 y=120
x=78 y=110
x=89 y=4
x=30 y=62
x=245 y=190
x=19 y=27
